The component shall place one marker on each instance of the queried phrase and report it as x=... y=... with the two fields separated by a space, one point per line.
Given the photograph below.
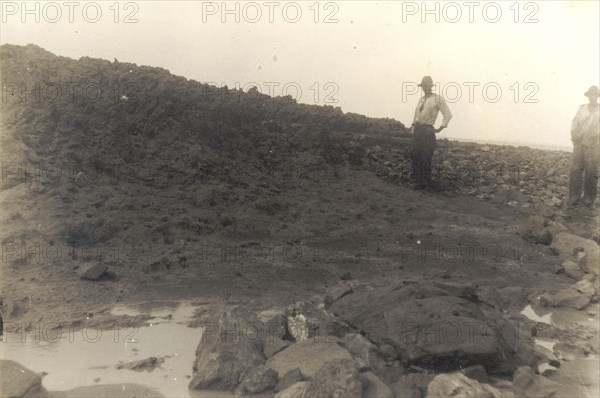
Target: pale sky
x=373 y=55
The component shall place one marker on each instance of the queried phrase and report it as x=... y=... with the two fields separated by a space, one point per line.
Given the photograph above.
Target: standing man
x=424 y=141
x=585 y=134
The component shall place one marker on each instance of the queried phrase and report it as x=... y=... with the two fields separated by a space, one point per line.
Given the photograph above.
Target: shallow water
x=531 y=314
x=581 y=373
x=80 y=357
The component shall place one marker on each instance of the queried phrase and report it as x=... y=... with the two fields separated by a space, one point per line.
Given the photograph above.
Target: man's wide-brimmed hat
x=426 y=81
x=592 y=91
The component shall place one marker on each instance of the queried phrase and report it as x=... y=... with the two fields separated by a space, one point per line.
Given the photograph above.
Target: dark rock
x=148 y=364
x=346 y=276
x=291 y=377
x=226 y=354
x=476 y=372
x=272 y=346
x=462 y=290
x=92 y=271
x=258 y=380
x=388 y=353
x=426 y=326
x=535 y=231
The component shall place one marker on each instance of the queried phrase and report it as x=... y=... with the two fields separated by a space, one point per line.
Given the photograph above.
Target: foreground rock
x=226 y=354
x=17 y=381
x=459 y=385
x=428 y=327
x=308 y=356
x=336 y=379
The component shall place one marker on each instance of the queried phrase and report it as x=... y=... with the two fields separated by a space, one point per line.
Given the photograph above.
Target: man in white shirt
x=424 y=141
x=585 y=134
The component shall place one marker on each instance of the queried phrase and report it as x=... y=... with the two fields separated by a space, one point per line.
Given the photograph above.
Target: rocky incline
x=325 y=273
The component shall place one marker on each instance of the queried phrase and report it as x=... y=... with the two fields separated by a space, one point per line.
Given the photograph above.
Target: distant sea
x=515 y=144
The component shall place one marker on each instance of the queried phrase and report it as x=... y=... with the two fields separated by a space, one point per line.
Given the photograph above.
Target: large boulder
x=569 y=246
x=17 y=381
x=426 y=325
x=226 y=353
x=308 y=356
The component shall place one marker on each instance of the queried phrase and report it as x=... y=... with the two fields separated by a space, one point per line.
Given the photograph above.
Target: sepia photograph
x=299 y=199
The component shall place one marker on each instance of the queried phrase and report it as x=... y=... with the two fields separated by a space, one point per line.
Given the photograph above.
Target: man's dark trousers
x=584 y=174
x=423 y=146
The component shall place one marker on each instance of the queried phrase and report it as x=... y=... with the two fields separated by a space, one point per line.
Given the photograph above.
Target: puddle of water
x=531 y=314
x=79 y=357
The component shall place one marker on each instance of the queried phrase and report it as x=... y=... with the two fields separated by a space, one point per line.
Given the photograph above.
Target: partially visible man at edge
x=585 y=134
x=424 y=141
